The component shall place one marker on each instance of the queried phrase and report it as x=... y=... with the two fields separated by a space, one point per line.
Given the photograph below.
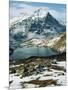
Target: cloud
x=21 y=9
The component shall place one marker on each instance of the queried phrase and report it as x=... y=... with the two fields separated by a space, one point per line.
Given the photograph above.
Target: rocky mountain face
x=38 y=25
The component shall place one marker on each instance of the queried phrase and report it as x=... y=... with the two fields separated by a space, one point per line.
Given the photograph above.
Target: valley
x=37 y=51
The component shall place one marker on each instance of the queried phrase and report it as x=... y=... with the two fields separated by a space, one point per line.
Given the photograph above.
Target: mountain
x=40 y=25
x=57 y=43
x=46 y=25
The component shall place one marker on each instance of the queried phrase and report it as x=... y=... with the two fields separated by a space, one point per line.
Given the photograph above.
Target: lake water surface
x=26 y=52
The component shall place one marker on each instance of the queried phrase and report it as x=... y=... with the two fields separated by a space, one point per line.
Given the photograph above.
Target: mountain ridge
x=37 y=28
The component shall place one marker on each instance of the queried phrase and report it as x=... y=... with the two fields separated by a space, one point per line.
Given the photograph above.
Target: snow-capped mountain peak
x=38 y=12
x=41 y=12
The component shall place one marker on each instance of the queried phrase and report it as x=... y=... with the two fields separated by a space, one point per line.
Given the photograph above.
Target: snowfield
x=16 y=81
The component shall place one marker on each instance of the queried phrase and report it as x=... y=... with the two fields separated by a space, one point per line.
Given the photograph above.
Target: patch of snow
x=45 y=78
x=11 y=66
x=61 y=63
x=31 y=35
x=16 y=82
x=40 y=12
x=16 y=20
x=61 y=80
x=53 y=74
x=56 y=71
x=29 y=78
x=62 y=48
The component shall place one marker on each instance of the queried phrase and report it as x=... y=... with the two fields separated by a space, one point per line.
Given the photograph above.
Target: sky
x=20 y=8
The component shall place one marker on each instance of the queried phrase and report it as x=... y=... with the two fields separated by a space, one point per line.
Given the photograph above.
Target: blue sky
x=58 y=7
x=16 y=7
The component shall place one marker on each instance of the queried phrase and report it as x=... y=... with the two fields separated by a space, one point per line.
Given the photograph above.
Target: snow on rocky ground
x=16 y=84
x=61 y=63
x=33 y=13
x=45 y=75
x=11 y=66
x=16 y=81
